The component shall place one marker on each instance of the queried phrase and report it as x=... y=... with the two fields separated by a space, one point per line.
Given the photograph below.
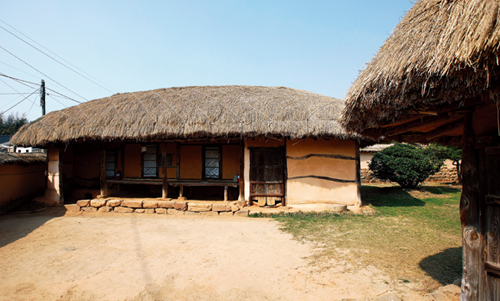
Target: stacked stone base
x=445 y=175
x=162 y=207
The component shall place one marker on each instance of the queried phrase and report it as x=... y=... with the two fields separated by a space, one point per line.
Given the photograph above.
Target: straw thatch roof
x=22 y=159
x=191 y=112
x=444 y=54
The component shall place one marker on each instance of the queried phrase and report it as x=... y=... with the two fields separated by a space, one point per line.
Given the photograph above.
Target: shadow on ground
x=16 y=225
x=445 y=267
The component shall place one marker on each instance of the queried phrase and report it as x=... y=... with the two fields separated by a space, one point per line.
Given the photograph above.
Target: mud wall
x=321 y=171
x=19 y=182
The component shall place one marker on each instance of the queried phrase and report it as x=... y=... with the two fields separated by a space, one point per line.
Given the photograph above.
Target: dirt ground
x=110 y=256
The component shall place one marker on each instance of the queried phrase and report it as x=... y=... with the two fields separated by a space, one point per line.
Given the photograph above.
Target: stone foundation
x=445 y=175
x=161 y=207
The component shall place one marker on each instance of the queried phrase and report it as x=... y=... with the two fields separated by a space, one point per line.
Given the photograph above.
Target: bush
x=405 y=164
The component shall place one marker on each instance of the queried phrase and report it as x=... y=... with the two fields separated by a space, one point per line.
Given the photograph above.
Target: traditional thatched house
x=437 y=79
x=270 y=145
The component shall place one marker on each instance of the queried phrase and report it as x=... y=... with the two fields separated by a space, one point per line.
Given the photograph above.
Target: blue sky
x=318 y=46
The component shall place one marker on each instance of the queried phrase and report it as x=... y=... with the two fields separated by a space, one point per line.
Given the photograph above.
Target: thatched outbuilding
x=437 y=79
x=268 y=145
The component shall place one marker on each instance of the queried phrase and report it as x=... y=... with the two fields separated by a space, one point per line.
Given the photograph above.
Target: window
x=170 y=160
x=149 y=161
x=211 y=157
x=110 y=163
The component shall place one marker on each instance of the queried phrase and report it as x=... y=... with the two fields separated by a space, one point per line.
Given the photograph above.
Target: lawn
x=413 y=235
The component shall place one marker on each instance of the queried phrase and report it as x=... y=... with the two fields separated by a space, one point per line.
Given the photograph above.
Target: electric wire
x=42 y=73
x=56 y=59
x=19 y=102
x=19 y=69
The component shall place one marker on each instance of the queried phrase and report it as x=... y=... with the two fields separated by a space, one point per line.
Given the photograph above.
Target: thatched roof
x=24 y=159
x=375 y=148
x=442 y=53
x=191 y=112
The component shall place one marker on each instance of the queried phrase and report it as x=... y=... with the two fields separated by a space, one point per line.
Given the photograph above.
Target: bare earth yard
x=112 y=256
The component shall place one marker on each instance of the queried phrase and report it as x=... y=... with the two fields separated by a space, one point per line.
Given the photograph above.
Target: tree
x=405 y=164
x=11 y=124
x=441 y=153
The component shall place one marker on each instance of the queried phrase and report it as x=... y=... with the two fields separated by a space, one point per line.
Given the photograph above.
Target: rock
x=182 y=206
x=336 y=208
x=105 y=209
x=389 y=297
x=234 y=208
x=123 y=210
x=192 y=212
x=114 y=203
x=140 y=210
x=242 y=213
x=182 y=198
x=83 y=203
x=161 y=210
x=221 y=207
x=132 y=203
x=97 y=203
x=72 y=207
x=166 y=204
x=241 y=203
x=198 y=207
x=210 y=213
x=150 y=204
x=89 y=209
x=149 y=211
x=174 y=211
x=226 y=213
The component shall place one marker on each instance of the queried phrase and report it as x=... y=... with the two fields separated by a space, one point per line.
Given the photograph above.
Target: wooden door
x=492 y=223
x=267 y=175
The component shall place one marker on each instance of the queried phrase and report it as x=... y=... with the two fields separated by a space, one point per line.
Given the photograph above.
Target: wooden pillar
x=242 y=171
x=225 y=194
x=359 y=202
x=285 y=174
x=104 y=184
x=164 y=185
x=181 y=191
x=178 y=163
x=470 y=215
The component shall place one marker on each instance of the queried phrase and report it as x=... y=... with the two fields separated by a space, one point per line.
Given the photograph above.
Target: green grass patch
x=413 y=234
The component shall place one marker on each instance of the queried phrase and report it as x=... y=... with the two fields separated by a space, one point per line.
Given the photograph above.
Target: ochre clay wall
x=191 y=162
x=18 y=182
x=230 y=161
x=321 y=171
x=132 y=157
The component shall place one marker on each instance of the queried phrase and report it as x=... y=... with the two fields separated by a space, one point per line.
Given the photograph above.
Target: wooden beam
x=242 y=170
x=470 y=215
x=178 y=163
x=359 y=202
x=440 y=131
x=416 y=124
x=164 y=186
x=104 y=184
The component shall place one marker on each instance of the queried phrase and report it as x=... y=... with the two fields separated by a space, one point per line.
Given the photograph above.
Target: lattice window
x=110 y=163
x=212 y=162
x=149 y=162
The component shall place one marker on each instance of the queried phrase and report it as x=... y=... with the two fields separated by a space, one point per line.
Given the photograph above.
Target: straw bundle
x=22 y=159
x=190 y=112
x=443 y=51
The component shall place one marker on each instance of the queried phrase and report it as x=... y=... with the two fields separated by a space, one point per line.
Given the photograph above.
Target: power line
x=54 y=58
x=18 y=69
x=19 y=102
x=42 y=73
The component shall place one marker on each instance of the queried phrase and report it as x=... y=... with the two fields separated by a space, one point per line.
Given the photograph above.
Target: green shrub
x=405 y=164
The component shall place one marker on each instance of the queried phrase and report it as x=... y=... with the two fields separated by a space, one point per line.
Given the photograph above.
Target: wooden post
x=242 y=170
x=470 y=215
x=104 y=184
x=61 y=180
x=181 y=191
x=178 y=163
x=285 y=175
x=164 y=186
x=225 y=194
x=359 y=202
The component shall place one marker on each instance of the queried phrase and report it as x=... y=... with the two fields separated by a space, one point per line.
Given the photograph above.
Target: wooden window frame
x=203 y=176
x=157 y=161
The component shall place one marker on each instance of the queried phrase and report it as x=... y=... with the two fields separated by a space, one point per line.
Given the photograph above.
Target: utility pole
x=42 y=97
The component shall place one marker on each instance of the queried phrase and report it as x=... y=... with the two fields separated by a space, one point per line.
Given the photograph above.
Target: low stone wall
x=445 y=175
x=161 y=207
